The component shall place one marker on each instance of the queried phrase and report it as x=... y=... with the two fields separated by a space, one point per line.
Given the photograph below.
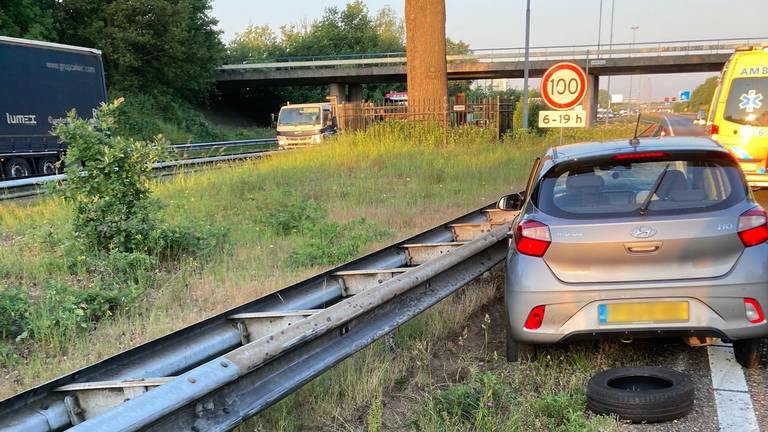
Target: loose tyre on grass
x=641 y=394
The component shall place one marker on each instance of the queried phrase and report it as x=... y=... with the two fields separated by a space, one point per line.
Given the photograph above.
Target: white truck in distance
x=305 y=124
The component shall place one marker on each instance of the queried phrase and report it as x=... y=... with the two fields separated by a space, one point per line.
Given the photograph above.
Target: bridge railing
x=489 y=55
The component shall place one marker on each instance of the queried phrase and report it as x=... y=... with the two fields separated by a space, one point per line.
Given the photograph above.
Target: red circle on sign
x=582 y=85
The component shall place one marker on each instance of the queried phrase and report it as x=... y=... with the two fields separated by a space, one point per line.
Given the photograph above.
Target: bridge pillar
x=355 y=93
x=339 y=90
x=589 y=103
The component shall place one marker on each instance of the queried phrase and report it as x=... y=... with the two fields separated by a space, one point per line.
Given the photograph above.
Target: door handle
x=642 y=248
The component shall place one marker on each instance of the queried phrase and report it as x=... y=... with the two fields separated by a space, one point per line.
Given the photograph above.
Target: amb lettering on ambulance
x=738 y=116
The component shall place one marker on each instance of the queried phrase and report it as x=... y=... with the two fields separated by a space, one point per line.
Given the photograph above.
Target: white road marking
x=669 y=126
x=734 y=405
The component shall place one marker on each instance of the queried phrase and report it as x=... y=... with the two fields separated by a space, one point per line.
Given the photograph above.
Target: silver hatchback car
x=653 y=238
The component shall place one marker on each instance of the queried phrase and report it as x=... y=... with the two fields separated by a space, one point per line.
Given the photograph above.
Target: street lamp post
x=610 y=47
x=524 y=116
x=634 y=33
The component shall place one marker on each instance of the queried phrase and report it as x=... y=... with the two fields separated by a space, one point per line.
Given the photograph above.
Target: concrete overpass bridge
x=346 y=73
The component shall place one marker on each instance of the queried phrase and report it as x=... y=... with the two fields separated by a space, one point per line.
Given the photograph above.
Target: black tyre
x=641 y=394
x=17 y=168
x=517 y=351
x=751 y=353
x=48 y=166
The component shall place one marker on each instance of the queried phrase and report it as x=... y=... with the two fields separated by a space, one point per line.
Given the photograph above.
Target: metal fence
x=491 y=112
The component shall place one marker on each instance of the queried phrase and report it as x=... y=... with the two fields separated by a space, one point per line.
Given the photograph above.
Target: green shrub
x=108 y=182
x=564 y=412
x=65 y=310
x=296 y=216
x=333 y=243
x=169 y=242
x=14 y=310
x=470 y=401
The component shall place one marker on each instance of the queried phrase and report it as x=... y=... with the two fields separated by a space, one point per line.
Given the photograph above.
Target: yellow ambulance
x=738 y=115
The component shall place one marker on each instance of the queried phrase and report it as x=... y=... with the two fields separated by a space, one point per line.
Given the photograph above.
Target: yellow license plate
x=668 y=311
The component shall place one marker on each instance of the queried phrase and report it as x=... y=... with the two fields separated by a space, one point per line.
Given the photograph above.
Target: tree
x=170 y=46
x=28 y=19
x=702 y=95
x=254 y=43
x=458 y=47
x=602 y=98
x=348 y=30
x=391 y=30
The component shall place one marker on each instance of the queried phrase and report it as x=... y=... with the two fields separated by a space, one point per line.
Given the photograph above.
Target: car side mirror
x=512 y=202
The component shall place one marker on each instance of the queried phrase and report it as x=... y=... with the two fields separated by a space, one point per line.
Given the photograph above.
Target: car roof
x=598 y=148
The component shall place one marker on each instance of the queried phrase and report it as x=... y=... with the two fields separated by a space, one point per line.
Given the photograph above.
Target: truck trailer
x=40 y=82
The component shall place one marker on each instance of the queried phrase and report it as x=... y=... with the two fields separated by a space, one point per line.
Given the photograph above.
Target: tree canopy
x=170 y=46
x=352 y=29
x=702 y=95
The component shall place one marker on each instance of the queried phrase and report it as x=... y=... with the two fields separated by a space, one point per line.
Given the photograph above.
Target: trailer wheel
x=48 y=166
x=17 y=167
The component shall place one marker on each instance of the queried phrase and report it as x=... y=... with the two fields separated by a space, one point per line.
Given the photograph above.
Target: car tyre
x=517 y=351
x=48 y=166
x=751 y=353
x=641 y=394
x=17 y=168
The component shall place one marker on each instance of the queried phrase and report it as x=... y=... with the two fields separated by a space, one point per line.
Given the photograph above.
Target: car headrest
x=587 y=180
x=674 y=180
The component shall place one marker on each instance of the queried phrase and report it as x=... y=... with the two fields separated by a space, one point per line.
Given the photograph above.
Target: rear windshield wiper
x=647 y=202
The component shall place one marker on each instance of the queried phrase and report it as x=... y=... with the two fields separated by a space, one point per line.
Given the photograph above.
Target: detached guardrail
x=30 y=186
x=214 y=374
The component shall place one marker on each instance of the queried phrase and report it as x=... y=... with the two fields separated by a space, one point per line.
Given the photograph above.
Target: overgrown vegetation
x=109 y=255
x=143 y=116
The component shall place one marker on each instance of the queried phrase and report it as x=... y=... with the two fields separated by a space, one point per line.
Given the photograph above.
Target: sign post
x=563 y=87
x=684 y=96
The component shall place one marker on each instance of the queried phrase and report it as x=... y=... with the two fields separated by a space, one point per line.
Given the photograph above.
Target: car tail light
x=714 y=131
x=753 y=310
x=532 y=238
x=535 y=318
x=640 y=155
x=753 y=227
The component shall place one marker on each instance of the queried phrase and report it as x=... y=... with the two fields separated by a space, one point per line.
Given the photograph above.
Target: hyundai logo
x=643 y=232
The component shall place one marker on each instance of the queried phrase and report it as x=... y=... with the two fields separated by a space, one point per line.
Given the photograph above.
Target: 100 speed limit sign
x=563 y=86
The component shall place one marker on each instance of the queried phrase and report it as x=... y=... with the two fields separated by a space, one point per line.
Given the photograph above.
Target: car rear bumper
x=716 y=306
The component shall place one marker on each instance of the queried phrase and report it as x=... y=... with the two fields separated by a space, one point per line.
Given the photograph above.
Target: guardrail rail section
x=30 y=186
x=214 y=374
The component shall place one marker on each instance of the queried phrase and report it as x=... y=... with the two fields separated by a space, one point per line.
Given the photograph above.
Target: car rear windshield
x=611 y=187
x=748 y=101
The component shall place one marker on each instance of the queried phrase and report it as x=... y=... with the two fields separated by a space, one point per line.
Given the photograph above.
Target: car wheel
x=641 y=394
x=17 y=168
x=751 y=353
x=517 y=351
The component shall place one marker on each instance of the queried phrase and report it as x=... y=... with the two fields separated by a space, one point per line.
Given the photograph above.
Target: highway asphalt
x=719 y=406
x=680 y=125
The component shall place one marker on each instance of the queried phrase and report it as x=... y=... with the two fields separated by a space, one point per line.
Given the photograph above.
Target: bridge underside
x=663 y=64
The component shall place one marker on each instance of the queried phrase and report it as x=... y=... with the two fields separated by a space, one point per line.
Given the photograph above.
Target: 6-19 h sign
x=563 y=86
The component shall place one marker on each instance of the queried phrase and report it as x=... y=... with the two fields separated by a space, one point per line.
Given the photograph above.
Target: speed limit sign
x=563 y=86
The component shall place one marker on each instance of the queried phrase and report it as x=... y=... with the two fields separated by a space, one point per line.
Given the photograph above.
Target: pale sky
x=497 y=24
